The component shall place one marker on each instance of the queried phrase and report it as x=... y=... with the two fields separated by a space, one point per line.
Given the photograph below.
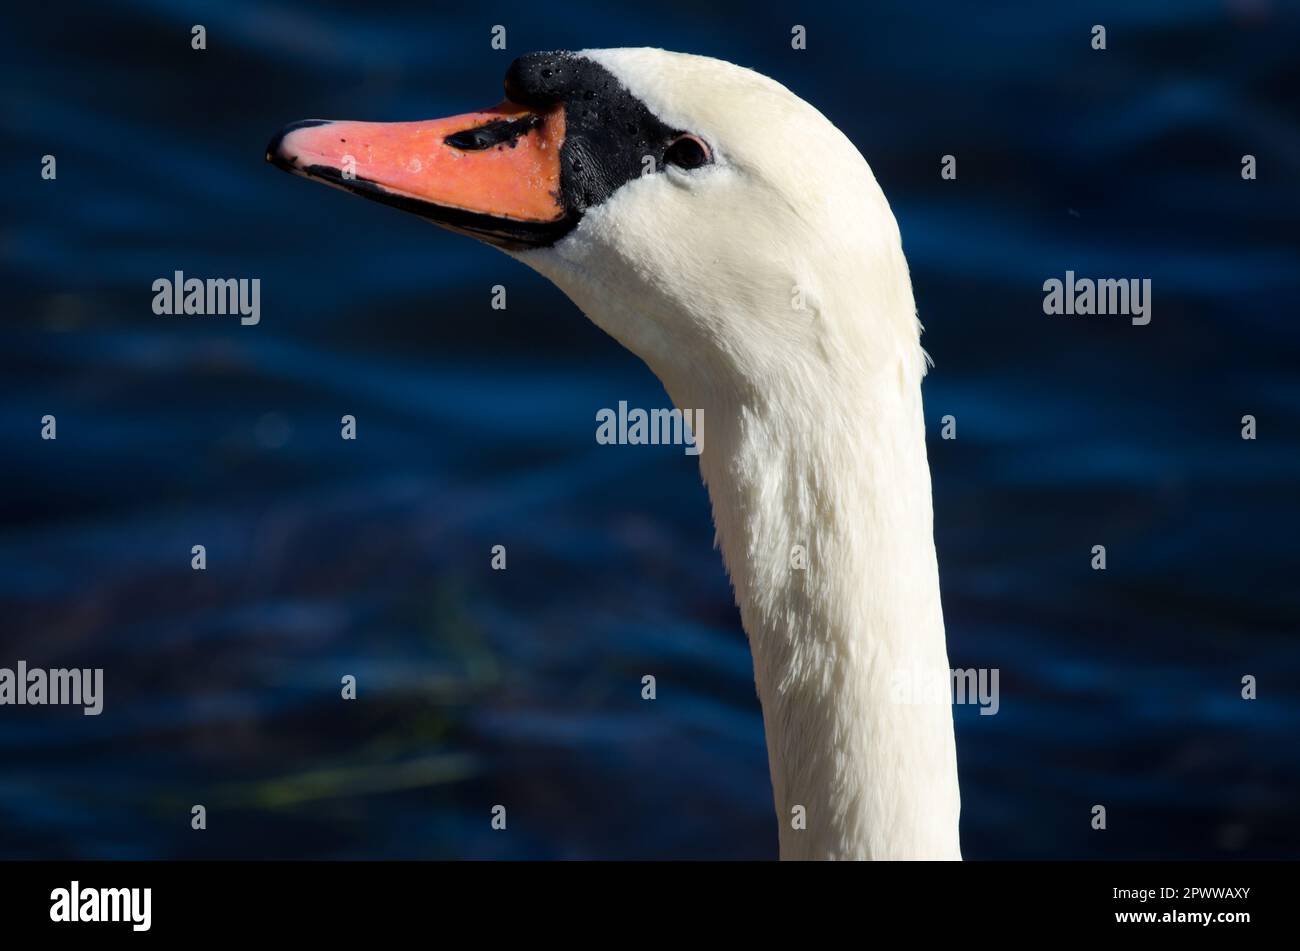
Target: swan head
x=702 y=214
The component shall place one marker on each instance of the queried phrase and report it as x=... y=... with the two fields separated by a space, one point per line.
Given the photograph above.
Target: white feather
x=816 y=435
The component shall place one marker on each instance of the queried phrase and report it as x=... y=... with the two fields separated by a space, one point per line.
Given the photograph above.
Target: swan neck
x=825 y=519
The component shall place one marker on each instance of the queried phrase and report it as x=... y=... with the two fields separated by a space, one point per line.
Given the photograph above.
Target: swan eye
x=687 y=152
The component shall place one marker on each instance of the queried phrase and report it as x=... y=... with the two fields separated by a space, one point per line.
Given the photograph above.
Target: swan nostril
x=494 y=133
x=467 y=141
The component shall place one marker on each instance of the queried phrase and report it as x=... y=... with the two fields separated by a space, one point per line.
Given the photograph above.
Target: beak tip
x=277 y=154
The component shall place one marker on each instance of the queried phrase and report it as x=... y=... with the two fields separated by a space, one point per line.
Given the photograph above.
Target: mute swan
x=724 y=231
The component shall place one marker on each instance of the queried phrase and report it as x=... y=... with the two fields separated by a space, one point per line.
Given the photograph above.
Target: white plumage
x=770 y=290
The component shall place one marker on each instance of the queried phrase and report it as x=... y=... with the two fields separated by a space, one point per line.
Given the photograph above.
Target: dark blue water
x=522 y=687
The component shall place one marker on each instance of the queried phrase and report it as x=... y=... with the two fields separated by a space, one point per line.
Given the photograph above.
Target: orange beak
x=493 y=174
